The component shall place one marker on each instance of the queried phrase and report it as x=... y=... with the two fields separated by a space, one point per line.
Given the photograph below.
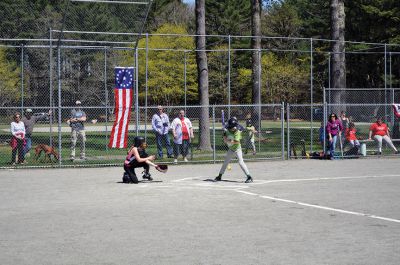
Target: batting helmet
x=232 y=122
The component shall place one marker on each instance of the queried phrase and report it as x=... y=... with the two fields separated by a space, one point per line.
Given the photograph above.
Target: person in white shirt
x=160 y=124
x=182 y=130
x=18 y=139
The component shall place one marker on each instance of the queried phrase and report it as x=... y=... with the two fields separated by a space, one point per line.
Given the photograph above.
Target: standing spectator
x=344 y=120
x=78 y=117
x=333 y=128
x=18 y=139
x=160 y=124
x=351 y=135
x=251 y=130
x=29 y=122
x=182 y=130
x=379 y=131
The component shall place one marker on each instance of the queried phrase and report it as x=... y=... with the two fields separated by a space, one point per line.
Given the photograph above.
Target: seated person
x=379 y=131
x=351 y=135
x=137 y=157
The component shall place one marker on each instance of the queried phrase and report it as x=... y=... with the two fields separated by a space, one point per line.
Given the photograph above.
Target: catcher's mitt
x=162 y=168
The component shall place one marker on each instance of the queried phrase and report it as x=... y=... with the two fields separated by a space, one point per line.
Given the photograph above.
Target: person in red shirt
x=182 y=130
x=351 y=135
x=379 y=131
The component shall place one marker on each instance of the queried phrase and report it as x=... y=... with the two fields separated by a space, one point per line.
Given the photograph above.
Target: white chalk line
x=320 y=207
x=261 y=182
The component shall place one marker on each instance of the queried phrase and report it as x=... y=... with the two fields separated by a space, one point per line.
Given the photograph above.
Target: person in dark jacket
x=333 y=129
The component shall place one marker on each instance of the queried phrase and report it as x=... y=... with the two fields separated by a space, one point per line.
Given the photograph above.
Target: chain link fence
x=50 y=130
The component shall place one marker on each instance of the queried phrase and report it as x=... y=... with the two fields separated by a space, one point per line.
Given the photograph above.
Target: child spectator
x=351 y=135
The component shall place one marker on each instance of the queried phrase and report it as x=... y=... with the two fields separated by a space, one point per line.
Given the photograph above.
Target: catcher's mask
x=138 y=141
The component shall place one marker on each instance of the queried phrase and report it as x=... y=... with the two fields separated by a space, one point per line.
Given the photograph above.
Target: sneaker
x=72 y=158
x=83 y=158
x=185 y=160
x=147 y=176
x=170 y=156
x=249 y=180
x=218 y=178
x=397 y=152
x=175 y=161
x=27 y=155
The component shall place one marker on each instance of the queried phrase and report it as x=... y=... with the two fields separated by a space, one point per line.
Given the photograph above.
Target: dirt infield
x=296 y=212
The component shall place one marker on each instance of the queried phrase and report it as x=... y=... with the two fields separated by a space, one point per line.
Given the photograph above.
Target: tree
x=166 y=68
x=9 y=80
x=338 y=50
x=202 y=72
x=256 y=56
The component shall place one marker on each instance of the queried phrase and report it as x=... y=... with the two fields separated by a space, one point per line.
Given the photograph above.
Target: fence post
x=137 y=90
x=213 y=115
x=184 y=77
x=329 y=80
x=229 y=76
x=311 y=93
x=288 y=129
x=106 y=94
x=386 y=101
x=51 y=84
x=283 y=129
x=325 y=109
x=146 y=85
x=22 y=79
x=59 y=103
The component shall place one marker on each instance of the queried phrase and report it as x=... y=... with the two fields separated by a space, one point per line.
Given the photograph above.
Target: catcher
x=137 y=157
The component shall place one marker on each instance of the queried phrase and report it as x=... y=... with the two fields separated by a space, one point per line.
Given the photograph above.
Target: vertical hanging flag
x=123 y=102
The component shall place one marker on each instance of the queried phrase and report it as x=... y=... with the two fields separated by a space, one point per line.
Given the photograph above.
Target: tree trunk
x=338 y=53
x=202 y=76
x=256 y=58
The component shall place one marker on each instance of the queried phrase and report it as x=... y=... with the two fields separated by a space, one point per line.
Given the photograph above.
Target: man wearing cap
x=78 y=117
x=29 y=122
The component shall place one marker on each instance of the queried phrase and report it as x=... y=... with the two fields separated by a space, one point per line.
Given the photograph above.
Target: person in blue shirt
x=161 y=126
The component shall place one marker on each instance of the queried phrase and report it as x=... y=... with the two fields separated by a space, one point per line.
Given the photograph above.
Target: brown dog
x=48 y=151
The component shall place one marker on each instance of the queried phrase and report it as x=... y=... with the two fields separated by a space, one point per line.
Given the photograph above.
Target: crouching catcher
x=137 y=157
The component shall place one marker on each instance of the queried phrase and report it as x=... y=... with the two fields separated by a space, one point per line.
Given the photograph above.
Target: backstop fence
x=48 y=75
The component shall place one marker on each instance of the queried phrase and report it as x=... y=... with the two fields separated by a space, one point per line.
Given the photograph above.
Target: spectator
x=351 y=135
x=333 y=128
x=78 y=117
x=251 y=130
x=182 y=130
x=379 y=131
x=29 y=122
x=160 y=124
x=344 y=120
x=18 y=139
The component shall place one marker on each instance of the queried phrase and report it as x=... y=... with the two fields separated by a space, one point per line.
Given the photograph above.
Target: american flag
x=123 y=103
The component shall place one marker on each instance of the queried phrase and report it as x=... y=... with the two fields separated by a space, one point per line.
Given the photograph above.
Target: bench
x=363 y=147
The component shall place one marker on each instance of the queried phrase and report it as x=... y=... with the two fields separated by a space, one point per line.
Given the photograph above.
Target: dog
x=48 y=151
